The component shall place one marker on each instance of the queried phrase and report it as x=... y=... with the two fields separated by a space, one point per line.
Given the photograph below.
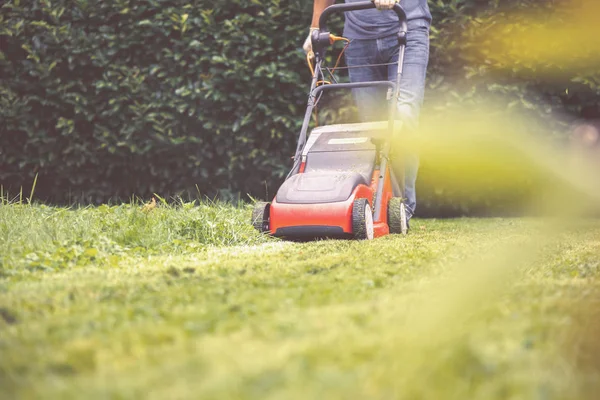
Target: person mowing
x=373 y=35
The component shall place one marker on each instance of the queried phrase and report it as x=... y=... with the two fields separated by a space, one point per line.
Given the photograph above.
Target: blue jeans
x=371 y=101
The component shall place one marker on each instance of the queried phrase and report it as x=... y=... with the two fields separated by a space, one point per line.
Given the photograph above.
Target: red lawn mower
x=340 y=185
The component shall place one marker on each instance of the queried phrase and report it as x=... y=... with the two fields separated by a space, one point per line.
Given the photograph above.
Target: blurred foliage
x=524 y=53
x=109 y=99
x=531 y=67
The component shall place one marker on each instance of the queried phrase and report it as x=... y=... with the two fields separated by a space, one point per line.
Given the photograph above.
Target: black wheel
x=397 y=216
x=260 y=216
x=362 y=220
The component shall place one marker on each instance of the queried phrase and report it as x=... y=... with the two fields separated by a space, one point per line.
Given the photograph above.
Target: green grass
x=189 y=302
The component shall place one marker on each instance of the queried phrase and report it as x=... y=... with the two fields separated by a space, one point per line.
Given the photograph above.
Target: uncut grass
x=37 y=237
x=327 y=319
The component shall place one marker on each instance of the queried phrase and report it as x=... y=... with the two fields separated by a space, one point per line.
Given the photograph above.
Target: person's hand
x=385 y=4
x=307 y=46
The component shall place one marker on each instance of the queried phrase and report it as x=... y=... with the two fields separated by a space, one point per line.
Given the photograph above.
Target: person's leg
x=369 y=101
x=412 y=88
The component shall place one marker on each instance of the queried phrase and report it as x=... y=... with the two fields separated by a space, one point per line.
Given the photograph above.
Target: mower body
x=339 y=165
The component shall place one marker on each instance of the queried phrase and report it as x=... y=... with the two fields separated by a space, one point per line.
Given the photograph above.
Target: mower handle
x=363 y=5
x=321 y=39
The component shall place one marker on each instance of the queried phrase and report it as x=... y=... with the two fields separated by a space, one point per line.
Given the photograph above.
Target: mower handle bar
x=363 y=5
x=320 y=40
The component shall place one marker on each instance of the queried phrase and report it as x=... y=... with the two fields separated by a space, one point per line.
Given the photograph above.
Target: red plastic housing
x=338 y=214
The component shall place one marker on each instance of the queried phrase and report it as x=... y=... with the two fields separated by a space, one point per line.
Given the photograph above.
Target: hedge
x=104 y=100
x=110 y=98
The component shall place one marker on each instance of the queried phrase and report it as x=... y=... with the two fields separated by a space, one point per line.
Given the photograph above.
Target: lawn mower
x=340 y=185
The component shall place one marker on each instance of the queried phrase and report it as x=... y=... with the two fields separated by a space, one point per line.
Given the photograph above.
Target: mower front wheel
x=261 y=216
x=362 y=220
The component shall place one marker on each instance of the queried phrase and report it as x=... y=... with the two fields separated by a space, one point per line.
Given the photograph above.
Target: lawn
x=187 y=301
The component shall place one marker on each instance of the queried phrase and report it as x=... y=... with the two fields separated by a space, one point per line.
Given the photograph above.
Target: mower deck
x=338 y=166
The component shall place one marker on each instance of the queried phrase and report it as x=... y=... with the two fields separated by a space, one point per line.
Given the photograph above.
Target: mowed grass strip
x=189 y=302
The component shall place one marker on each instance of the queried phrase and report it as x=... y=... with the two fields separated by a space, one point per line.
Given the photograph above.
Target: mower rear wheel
x=261 y=216
x=362 y=220
x=397 y=218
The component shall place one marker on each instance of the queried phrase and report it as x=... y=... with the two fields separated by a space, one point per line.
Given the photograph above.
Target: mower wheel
x=260 y=216
x=362 y=220
x=397 y=216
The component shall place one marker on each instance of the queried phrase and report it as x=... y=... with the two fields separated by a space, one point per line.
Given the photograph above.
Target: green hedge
x=109 y=99
x=105 y=99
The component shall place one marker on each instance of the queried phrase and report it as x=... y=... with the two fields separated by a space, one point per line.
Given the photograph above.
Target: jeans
x=371 y=102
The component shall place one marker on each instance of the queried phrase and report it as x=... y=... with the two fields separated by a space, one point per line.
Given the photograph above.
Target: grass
x=188 y=301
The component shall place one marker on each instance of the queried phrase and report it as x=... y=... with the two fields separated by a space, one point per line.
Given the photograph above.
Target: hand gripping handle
x=363 y=5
